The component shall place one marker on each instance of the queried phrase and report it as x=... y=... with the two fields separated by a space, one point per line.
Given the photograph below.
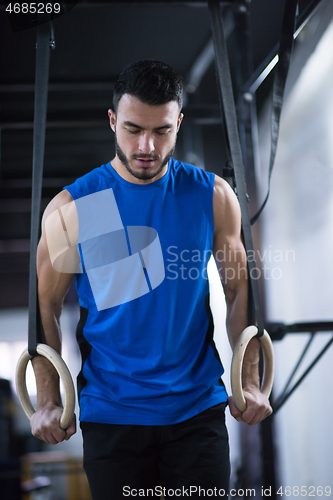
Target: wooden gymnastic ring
x=64 y=374
x=237 y=365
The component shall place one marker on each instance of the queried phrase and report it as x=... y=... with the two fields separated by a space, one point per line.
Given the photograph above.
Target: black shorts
x=182 y=460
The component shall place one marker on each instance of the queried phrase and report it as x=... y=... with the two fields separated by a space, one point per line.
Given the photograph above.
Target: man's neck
x=121 y=170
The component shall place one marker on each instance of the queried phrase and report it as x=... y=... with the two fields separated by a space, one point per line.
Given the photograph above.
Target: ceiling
x=94 y=41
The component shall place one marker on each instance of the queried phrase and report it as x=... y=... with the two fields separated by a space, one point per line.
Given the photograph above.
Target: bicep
x=56 y=261
x=228 y=248
x=52 y=285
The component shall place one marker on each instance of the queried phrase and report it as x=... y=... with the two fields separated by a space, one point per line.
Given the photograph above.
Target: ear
x=180 y=119
x=113 y=119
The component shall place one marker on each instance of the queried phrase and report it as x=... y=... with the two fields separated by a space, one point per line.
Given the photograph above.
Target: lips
x=145 y=163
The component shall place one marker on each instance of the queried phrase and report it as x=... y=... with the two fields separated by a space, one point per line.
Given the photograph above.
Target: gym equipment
x=64 y=374
x=237 y=365
x=229 y=110
x=35 y=335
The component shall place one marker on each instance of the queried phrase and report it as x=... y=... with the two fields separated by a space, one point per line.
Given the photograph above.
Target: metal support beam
x=259 y=458
x=200 y=114
x=268 y=64
x=206 y=58
x=156 y=3
x=83 y=4
x=59 y=87
x=279 y=330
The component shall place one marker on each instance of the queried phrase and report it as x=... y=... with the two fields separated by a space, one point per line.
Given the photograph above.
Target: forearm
x=47 y=378
x=236 y=317
x=52 y=288
x=250 y=373
x=46 y=421
x=236 y=322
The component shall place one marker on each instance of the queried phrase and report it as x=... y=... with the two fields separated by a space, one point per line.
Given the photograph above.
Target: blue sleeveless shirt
x=146 y=329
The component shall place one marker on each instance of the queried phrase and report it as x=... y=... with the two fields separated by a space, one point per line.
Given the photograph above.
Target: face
x=145 y=138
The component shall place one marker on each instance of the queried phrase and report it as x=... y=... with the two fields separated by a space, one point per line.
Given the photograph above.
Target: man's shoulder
x=89 y=183
x=222 y=190
x=60 y=200
x=225 y=203
x=191 y=172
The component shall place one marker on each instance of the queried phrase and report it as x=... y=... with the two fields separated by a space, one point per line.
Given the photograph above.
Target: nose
x=146 y=143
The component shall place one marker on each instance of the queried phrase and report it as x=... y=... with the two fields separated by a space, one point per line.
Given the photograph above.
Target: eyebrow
x=130 y=124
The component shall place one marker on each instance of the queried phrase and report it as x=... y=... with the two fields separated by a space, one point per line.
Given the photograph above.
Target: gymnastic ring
x=64 y=374
x=237 y=365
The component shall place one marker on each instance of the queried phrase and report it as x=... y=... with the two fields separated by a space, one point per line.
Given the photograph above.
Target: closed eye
x=133 y=129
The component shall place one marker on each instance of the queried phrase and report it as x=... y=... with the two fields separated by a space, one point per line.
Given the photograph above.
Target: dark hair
x=153 y=82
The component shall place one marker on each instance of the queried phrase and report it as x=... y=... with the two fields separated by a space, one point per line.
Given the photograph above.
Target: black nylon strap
x=280 y=78
x=35 y=333
x=227 y=98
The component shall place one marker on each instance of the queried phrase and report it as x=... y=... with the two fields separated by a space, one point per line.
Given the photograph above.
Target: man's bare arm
x=52 y=289
x=230 y=257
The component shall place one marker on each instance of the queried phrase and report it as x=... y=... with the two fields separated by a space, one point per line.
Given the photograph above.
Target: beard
x=144 y=175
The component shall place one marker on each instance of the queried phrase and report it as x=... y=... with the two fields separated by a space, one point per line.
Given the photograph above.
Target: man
x=151 y=396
